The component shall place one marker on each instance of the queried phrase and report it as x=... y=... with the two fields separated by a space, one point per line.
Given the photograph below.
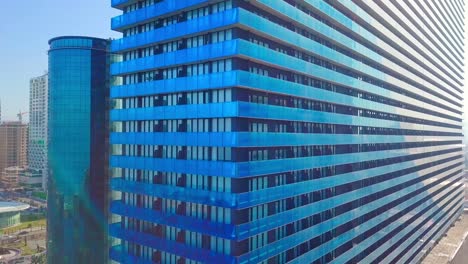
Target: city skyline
x=24 y=49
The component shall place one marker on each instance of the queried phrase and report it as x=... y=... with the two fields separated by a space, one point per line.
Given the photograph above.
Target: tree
x=38 y=259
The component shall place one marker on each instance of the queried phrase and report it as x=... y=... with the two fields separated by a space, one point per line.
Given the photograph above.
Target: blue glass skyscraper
x=274 y=131
x=77 y=150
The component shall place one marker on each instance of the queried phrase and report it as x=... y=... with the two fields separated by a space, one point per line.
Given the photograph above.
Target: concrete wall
x=461 y=257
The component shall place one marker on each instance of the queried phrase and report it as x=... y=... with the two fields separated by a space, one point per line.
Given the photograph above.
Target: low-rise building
x=31 y=178
x=10 y=176
x=10 y=213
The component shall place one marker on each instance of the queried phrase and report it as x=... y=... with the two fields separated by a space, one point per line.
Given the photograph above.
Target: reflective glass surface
x=77 y=155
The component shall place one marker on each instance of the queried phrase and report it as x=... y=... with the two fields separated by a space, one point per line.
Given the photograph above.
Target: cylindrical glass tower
x=77 y=124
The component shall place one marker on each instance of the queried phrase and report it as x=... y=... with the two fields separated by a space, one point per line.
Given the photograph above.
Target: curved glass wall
x=78 y=86
x=9 y=219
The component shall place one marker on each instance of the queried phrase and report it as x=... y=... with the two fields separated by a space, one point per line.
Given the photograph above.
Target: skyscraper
x=275 y=131
x=13 y=145
x=77 y=150
x=37 y=152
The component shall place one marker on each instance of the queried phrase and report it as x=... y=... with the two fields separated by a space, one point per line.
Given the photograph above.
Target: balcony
x=206 y=23
x=119 y=3
x=140 y=15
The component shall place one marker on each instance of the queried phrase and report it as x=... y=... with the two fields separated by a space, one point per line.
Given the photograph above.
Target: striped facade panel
x=285 y=131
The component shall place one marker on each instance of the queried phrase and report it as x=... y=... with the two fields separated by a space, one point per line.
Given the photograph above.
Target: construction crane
x=20 y=116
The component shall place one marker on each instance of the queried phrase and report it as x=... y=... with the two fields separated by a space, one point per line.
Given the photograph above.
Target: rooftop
x=14 y=169
x=446 y=249
x=6 y=207
x=74 y=37
x=12 y=124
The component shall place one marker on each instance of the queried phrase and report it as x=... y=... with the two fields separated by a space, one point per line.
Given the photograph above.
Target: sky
x=25 y=28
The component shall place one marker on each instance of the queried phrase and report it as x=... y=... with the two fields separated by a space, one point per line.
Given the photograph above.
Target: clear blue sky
x=25 y=28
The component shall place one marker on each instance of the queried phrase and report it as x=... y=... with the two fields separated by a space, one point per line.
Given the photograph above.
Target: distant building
x=10 y=176
x=13 y=145
x=285 y=131
x=10 y=213
x=77 y=150
x=31 y=179
x=37 y=152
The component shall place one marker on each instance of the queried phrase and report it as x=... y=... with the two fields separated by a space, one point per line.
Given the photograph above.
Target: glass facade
x=276 y=131
x=10 y=213
x=77 y=150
